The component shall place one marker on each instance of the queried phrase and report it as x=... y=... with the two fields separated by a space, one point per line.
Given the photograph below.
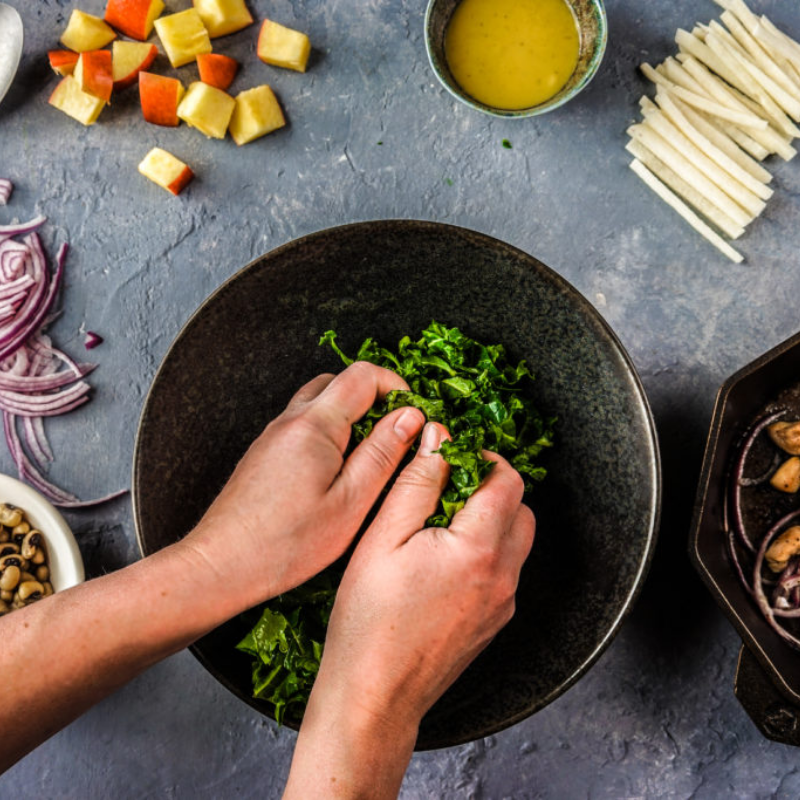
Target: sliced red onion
x=6 y=187
x=37 y=380
x=92 y=340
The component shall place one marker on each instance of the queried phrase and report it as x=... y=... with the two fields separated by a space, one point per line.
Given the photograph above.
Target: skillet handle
x=772 y=713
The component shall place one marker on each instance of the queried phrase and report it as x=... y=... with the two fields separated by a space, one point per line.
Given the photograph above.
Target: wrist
x=347 y=749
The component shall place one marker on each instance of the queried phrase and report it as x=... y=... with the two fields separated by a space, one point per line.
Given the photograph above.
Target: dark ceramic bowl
x=743 y=397
x=254 y=342
x=590 y=16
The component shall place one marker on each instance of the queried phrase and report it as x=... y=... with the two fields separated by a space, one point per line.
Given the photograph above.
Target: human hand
x=415 y=606
x=293 y=504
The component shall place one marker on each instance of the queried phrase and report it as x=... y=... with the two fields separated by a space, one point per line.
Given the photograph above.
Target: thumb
x=415 y=493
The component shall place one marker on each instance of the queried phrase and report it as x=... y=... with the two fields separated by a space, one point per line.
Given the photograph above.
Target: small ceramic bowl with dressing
x=515 y=58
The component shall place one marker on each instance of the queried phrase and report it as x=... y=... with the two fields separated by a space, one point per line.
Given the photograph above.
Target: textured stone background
x=656 y=716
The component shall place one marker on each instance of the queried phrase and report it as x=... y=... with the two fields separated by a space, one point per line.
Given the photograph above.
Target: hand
x=415 y=606
x=294 y=504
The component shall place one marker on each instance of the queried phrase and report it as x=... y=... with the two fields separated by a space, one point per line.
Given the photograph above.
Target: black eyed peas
x=24 y=568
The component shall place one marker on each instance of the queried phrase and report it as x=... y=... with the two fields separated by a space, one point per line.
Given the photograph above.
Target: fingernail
x=406 y=426
x=431 y=439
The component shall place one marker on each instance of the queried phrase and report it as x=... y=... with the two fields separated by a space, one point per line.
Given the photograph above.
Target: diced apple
x=128 y=60
x=206 y=108
x=217 y=70
x=222 y=17
x=93 y=73
x=79 y=105
x=160 y=97
x=62 y=61
x=166 y=170
x=283 y=47
x=134 y=18
x=257 y=113
x=184 y=36
x=85 y=32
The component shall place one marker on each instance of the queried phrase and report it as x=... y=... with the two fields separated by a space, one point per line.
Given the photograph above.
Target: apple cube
x=85 y=32
x=62 y=61
x=128 y=60
x=93 y=73
x=160 y=97
x=257 y=113
x=217 y=70
x=184 y=36
x=79 y=105
x=208 y=109
x=166 y=170
x=283 y=47
x=134 y=18
x=222 y=17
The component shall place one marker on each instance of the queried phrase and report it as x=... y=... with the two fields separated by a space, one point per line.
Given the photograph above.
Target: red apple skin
x=180 y=183
x=217 y=70
x=62 y=61
x=159 y=97
x=97 y=74
x=129 y=80
x=129 y=17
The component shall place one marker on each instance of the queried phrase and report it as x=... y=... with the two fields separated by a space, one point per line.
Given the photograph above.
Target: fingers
x=415 y=493
x=491 y=511
x=310 y=391
x=370 y=466
x=348 y=397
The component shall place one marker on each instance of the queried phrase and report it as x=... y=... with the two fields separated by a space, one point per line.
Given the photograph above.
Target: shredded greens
x=479 y=396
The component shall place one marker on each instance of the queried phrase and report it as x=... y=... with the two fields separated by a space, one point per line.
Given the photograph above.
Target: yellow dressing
x=512 y=54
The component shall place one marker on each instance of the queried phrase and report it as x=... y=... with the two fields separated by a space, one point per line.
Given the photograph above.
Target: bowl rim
x=61 y=543
x=532 y=111
x=649 y=536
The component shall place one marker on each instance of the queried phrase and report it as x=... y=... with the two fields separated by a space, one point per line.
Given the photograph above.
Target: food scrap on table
x=729 y=99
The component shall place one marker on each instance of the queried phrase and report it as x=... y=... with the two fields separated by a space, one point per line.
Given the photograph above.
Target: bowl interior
x=592 y=24
x=741 y=398
x=66 y=565
x=254 y=342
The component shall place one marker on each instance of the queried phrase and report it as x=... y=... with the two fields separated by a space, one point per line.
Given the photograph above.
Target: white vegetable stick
x=761 y=56
x=681 y=188
x=721 y=140
x=721 y=159
x=780 y=39
x=748 y=84
x=747 y=143
x=675 y=138
x=678 y=205
x=677 y=74
x=699 y=33
x=694 y=177
x=729 y=96
x=702 y=52
x=742 y=12
x=745 y=118
x=783 y=100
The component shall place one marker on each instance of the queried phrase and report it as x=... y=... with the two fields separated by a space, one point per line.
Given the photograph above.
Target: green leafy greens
x=479 y=396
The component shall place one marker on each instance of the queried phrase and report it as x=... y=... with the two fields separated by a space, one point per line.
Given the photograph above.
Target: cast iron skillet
x=768 y=674
x=254 y=342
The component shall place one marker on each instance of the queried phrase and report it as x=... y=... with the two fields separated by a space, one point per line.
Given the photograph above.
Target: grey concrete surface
x=372 y=135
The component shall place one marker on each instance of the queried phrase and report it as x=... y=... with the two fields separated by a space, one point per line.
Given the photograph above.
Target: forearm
x=68 y=651
x=344 y=752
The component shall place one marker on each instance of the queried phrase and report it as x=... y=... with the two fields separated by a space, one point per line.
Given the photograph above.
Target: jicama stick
x=747 y=119
x=693 y=176
x=760 y=56
x=721 y=159
x=659 y=123
x=674 y=181
x=724 y=142
x=678 y=205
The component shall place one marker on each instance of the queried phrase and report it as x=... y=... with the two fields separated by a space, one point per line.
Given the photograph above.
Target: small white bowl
x=63 y=555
